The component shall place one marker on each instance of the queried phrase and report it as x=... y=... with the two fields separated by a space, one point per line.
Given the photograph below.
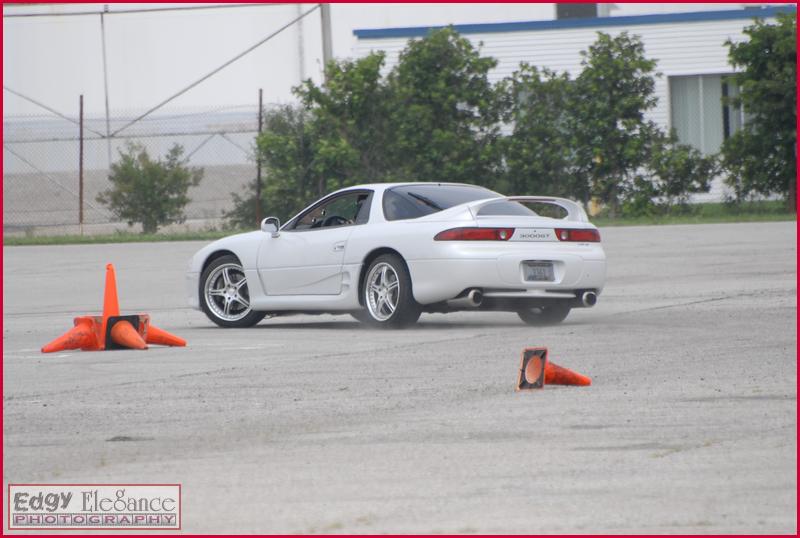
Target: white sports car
x=387 y=252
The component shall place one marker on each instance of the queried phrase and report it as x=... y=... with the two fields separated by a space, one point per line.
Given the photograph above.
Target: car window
x=344 y=210
x=414 y=201
x=505 y=208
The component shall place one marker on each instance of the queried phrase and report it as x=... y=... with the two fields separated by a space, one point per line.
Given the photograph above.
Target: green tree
x=287 y=149
x=762 y=157
x=350 y=113
x=437 y=117
x=611 y=136
x=538 y=152
x=444 y=111
x=147 y=191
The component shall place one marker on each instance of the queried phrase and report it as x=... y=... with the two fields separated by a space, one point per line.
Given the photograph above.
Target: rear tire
x=388 y=301
x=224 y=296
x=551 y=314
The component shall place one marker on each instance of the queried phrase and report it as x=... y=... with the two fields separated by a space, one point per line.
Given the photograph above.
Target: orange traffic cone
x=154 y=335
x=536 y=371
x=110 y=300
x=112 y=331
x=558 y=375
x=531 y=369
x=124 y=334
x=82 y=335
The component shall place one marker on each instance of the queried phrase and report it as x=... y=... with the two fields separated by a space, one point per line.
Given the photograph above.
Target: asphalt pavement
x=315 y=424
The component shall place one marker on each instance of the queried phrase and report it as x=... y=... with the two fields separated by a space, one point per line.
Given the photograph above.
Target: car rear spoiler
x=574 y=210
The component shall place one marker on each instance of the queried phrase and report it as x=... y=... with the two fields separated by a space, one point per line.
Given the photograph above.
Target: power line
x=226 y=137
x=142 y=10
x=218 y=69
x=172 y=134
x=49 y=177
x=49 y=109
x=203 y=143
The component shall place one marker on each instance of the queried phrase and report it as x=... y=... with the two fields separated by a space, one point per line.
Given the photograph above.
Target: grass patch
x=693 y=214
x=762 y=211
x=121 y=237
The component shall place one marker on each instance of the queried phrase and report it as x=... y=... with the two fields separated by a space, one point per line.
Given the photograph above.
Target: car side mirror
x=271 y=225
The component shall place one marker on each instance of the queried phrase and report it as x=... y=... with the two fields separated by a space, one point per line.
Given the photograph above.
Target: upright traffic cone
x=82 y=336
x=154 y=335
x=112 y=331
x=536 y=371
x=110 y=300
x=125 y=335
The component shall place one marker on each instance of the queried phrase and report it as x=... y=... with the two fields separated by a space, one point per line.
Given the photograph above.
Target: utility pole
x=301 y=53
x=105 y=82
x=80 y=165
x=258 y=157
x=327 y=44
x=327 y=56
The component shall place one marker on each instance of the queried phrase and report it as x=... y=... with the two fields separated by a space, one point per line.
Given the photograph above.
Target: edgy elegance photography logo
x=94 y=506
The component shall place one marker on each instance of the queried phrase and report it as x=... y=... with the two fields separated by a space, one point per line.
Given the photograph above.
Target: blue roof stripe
x=595 y=22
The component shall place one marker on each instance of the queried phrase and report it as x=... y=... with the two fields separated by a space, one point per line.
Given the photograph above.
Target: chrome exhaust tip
x=472 y=299
x=588 y=299
x=475 y=297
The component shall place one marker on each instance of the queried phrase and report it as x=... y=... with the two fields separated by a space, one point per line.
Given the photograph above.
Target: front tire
x=551 y=314
x=224 y=295
x=388 y=301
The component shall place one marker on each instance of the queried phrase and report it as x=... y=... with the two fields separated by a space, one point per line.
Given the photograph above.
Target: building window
x=698 y=114
x=576 y=11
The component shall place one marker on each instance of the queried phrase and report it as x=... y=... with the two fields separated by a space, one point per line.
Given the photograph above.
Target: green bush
x=147 y=191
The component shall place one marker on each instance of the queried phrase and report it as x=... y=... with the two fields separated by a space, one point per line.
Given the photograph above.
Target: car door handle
x=338 y=247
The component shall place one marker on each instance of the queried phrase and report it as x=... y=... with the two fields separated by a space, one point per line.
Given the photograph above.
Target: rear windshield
x=506 y=208
x=414 y=201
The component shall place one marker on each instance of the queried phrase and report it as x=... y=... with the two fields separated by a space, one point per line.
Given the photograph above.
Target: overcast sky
x=153 y=55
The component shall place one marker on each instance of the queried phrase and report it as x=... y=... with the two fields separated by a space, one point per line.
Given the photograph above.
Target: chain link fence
x=41 y=165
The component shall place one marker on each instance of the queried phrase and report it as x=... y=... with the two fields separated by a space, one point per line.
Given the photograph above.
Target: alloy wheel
x=382 y=291
x=226 y=292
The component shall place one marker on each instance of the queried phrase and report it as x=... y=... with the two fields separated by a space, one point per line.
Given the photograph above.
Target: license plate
x=538 y=271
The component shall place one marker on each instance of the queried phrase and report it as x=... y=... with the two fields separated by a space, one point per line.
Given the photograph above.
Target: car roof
x=379 y=187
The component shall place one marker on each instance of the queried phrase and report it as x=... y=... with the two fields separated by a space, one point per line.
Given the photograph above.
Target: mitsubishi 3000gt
x=385 y=253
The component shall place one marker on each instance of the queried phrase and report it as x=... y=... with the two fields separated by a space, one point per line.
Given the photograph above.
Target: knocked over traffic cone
x=123 y=334
x=536 y=371
x=112 y=331
x=82 y=336
x=154 y=335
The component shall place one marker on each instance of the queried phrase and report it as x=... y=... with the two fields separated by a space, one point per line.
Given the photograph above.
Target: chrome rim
x=226 y=292
x=382 y=291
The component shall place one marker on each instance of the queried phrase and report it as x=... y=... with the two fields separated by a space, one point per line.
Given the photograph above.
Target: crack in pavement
x=701 y=301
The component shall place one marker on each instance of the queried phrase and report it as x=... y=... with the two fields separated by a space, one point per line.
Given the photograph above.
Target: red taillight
x=583 y=236
x=475 y=234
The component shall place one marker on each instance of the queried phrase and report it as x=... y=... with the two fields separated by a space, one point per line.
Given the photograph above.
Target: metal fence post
x=327 y=41
x=258 y=157
x=80 y=166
